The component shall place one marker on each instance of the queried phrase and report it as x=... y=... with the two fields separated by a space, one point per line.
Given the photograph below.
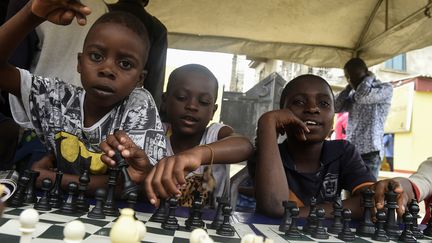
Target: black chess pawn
x=218 y=219
x=171 y=222
x=293 y=231
x=366 y=226
x=225 y=229
x=97 y=210
x=337 y=225
x=128 y=185
x=110 y=208
x=43 y=203
x=391 y=226
x=311 y=220
x=131 y=202
x=380 y=234
x=30 y=194
x=195 y=221
x=81 y=202
x=320 y=232
x=56 y=194
x=428 y=230
x=161 y=212
x=346 y=234
x=414 y=209
x=407 y=235
x=69 y=204
x=17 y=199
x=286 y=221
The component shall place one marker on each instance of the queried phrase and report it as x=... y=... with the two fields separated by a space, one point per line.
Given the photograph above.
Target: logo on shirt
x=330 y=185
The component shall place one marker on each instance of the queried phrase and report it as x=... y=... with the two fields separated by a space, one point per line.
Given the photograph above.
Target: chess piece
x=414 y=209
x=56 y=194
x=81 y=202
x=380 y=234
x=97 y=211
x=28 y=219
x=43 y=203
x=311 y=219
x=195 y=221
x=320 y=232
x=128 y=185
x=131 y=201
x=171 y=222
x=110 y=208
x=142 y=230
x=74 y=232
x=428 y=230
x=199 y=236
x=286 y=221
x=337 y=225
x=30 y=195
x=69 y=205
x=391 y=226
x=366 y=226
x=218 y=219
x=407 y=235
x=17 y=199
x=160 y=213
x=346 y=234
x=293 y=231
x=125 y=229
x=225 y=229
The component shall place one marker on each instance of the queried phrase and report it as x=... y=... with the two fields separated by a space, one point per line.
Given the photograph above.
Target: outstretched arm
x=271 y=185
x=166 y=177
x=17 y=28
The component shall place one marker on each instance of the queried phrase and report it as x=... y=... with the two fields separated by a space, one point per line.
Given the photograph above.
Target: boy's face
x=111 y=63
x=190 y=102
x=312 y=102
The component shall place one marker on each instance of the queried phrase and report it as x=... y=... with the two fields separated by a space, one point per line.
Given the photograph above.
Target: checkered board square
x=50 y=227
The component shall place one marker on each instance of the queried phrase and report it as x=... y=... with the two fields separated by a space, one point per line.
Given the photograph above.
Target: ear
x=142 y=77
x=79 y=56
x=214 y=109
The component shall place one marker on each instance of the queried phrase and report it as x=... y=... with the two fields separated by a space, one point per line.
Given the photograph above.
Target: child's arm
x=45 y=167
x=17 y=28
x=271 y=185
x=171 y=171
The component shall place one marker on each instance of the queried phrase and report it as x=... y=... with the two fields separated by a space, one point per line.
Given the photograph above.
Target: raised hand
x=286 y=122
x=60 y=12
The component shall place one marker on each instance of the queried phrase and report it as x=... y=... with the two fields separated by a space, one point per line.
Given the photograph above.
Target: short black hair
x=192 y=68
x=297 y=79
x=355 y=63
x=129 y=21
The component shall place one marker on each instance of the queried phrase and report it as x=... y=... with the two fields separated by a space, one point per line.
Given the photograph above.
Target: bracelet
x=211 y=152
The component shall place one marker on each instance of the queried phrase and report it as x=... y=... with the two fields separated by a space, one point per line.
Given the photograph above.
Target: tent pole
x=394 y=27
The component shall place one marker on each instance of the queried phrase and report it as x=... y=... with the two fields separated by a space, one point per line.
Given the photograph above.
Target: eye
x=125 y=64
x=180 y=97
x=298 y=102
x=205 y=102
x=96 y=57
x=324 y=104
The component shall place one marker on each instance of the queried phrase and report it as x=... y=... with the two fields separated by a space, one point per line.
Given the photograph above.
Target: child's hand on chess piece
x=402 y=186
x=60 y=12
x=169 y=174
x=139 y=164
x=285 y=122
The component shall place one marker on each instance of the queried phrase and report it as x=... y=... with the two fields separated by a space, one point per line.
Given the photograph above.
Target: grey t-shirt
x=54 y=109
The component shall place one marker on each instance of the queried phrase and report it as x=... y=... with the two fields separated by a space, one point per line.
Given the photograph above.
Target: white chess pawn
x=28 y=219
x=74 y=232
x=253 y=238
x=199 y=236
x=141 y=229
x=122 y=232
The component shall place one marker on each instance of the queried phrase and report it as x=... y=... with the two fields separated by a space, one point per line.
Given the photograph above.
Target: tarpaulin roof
x=322 y=33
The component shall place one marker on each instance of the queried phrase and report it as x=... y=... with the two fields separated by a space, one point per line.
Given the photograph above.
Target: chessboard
x=50 y=227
